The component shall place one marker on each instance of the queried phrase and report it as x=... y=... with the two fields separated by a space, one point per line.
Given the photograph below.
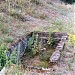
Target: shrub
x=2 y=57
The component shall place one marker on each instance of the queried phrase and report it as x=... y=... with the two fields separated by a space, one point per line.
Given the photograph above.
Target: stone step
x=64 y=36
x=55 y=56
x=58 y=48
x=56 y=34
x=59 y=44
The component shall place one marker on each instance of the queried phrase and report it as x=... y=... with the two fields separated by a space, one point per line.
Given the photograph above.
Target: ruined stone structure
x=22 y=44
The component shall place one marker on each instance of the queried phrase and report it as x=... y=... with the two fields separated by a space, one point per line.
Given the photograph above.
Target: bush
x=45 y=56
x=69 y=1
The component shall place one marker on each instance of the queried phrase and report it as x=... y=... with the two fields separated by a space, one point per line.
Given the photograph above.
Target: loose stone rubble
x=61 y=37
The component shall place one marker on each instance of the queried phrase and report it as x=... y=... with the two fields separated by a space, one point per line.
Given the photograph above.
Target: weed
x=13 y=58
x=30 y=41
x=50 y=41
x=57 y=22
x=6 y=30
x=43 y=16
x=59 y=25
x=43 y=64
x=8 y=40
x=1 y=41
x=34 y=51
x=72 y=39
x=69 y=67
x=7 y=20
x=1 y=25
x=45 y=56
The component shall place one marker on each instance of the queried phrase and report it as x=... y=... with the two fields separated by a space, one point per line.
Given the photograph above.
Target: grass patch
x=45 y=56
x=5 y=31
x=43 y=64
x=8 y=40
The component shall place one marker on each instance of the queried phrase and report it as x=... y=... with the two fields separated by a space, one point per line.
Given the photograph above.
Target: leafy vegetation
x=2 y=56
x=5 y=60
x=33 y=48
